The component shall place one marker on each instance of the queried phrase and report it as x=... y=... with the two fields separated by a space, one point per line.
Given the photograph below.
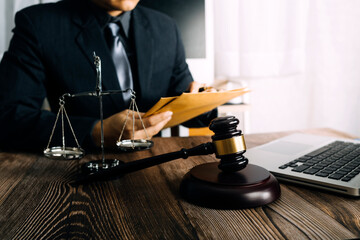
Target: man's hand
x=195 y=87
x=113 y=126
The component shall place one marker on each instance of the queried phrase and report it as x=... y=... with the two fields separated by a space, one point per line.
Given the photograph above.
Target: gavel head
x=229 y=143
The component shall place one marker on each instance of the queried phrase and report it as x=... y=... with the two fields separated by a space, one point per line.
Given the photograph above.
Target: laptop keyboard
x=337 y=160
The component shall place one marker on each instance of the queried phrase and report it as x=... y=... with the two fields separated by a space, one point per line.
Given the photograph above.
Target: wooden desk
x=37 y=201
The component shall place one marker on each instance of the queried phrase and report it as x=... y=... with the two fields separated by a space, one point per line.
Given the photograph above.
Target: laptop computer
x=323 y=162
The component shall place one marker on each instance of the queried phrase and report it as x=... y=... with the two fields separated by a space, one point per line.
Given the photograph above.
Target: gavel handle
x=203 y=149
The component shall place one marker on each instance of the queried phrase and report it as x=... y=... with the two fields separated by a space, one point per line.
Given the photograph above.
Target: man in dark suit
x=51 y=53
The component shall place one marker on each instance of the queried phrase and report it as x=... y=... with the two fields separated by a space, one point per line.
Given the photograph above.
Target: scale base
x=206 y=185
x=99 y=165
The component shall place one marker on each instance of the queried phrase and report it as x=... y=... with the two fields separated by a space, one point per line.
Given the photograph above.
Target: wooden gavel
x=228 y=144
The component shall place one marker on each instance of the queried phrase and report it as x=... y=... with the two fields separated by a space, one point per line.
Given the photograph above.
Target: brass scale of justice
x=232 y=183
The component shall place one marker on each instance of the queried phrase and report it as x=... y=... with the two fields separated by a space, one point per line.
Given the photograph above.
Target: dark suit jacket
x=51 y=53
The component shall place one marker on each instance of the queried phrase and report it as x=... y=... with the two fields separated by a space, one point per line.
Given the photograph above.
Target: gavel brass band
x=230 y=145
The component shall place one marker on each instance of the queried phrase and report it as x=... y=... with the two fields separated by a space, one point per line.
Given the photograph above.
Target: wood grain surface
x=39 y=201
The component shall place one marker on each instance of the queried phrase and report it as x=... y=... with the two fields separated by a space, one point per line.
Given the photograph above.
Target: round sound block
x=206 y=185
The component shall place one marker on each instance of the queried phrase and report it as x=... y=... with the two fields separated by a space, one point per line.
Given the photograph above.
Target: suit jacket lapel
x=144 y=47
x=90 y=39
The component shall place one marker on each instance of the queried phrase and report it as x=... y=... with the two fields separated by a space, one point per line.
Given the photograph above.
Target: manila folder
x=190 y=105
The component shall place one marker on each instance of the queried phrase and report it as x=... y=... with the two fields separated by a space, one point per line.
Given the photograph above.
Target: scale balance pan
x=67 y=153
x=134 y=145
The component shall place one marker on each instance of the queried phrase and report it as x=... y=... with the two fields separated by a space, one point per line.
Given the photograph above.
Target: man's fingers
x=130 y=113
x=139 y=113
x=114 y=124
x=195 y=87
x=207 y=89
x=154 y=128
x=157 y=118
x=147 y=122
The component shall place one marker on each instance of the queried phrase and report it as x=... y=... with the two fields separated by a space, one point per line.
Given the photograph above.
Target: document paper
x=189 y=105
